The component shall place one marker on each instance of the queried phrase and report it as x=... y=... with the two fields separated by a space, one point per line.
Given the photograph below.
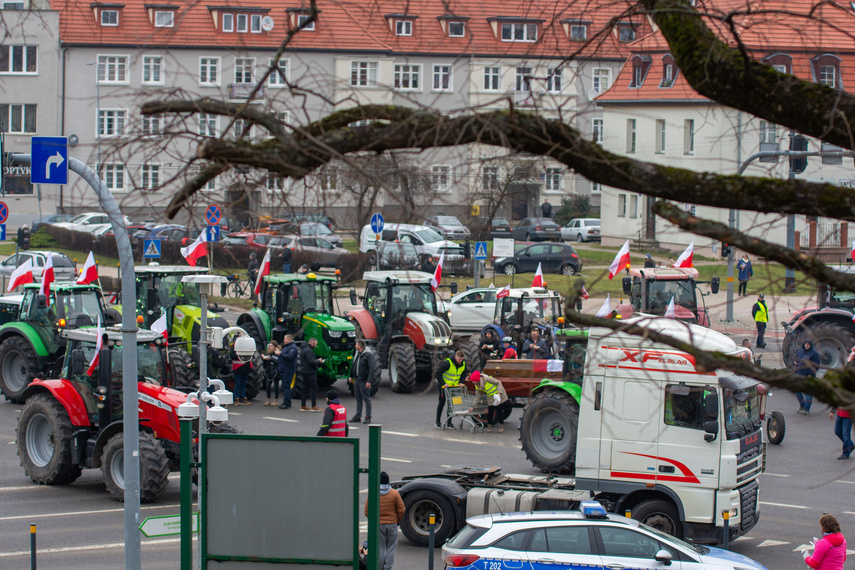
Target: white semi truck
x=640 y=427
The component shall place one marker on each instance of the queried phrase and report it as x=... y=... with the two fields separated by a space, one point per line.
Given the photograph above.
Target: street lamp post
x=97 y=113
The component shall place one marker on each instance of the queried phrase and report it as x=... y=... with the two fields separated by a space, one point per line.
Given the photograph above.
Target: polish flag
x=159 y=326
x=621 y=261
x=606 y=309
x=197 y=249
x=852 y=253
x=685 y=259
x=503 y=292
x=48 y=277
x=89 y=273
x=21 y=276
x=538 y=277
x=437 y=275
x=264 y=270
x=99 y=342
x=670 y=312
x=584 y=293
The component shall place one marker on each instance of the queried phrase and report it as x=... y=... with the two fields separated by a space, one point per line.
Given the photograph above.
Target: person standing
x=271 y=372
x=497 y=399
x=491 y=347
x=287 y=366
x=829 y=552
x=648 y=261
x=449 y=374
x=241 y=371
x=807 y=363
x=546 y=209
x=760 y=312
x=285 y=258
x=536 y=347
x=334 y=423
x=510 y=352
x=843 y=430
x=309 y=370
x=746 y=272
x=252 y=270
x=428 y=265
x=391 y=512
x=362 y=373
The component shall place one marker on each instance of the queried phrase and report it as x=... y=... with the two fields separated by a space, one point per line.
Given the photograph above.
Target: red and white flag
x=538 y=277
x=584 y=293
x=670 y=312
x=159 y=326
x=685 y=259
x=197 y=249
x=503 y=292
x=621 y=261
x=852 y=253
x=437 y=275
x=99 y=342
x=48 y=277
x=89 y=273
x=21 y=276
x=264 y=270
x=606 y=309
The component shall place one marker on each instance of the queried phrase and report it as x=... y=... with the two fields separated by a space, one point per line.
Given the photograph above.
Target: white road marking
x=849 y=512
x=78 y=513
x=403 y=433
x=845 y=482
x=280 y=419
x=396 y=460
x=775 y=474
x=466 y=441
x=743 y=538
x=772 y=543
x=36 y=487
x=783 y=505
x=87 y=547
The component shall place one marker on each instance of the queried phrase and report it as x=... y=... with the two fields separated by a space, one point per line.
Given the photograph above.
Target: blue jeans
x=240 y=386
x=286 y=267
x=843 y=430
x=805 y=400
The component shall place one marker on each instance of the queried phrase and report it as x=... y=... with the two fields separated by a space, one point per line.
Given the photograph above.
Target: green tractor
x=30 y=341
x=302 y=306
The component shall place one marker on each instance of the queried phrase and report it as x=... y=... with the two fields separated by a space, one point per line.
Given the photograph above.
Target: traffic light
x=798 y=164
x=24 y=237
x=467 y=249
x=725 y=250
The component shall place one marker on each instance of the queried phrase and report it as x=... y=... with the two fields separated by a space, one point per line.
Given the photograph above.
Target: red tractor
x=75 y=422
x=651 y=290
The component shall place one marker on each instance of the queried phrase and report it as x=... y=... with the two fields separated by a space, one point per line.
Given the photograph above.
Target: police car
x=586 y=539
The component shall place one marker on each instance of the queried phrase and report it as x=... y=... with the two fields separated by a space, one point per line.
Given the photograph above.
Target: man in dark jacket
x=760 y=312
x=536 y=348
x=451 y=372
x=648 y=261
x=285 y=258
x=287 y=366
x=362 y=376
x=807 y=363
x=546 y=209
x=309 y=371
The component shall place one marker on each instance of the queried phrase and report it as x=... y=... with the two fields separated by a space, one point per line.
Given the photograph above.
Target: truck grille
x=748 y=506
x=749 y=462
x=440 y=328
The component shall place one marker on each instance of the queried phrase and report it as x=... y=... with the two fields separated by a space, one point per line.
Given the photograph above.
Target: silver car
x=396 y=255
x=581 y=229
x=63 y=267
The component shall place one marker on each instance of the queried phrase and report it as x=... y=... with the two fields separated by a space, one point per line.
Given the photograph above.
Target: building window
x=519 y=32
x=768 y=132
x=208 y=124
x=114 y=176
x=633 y=206
x=328 y=181
x=284 y=118
x=255 y=23
x=667 y=75
x=18 y=118
x=456 y=29
x=660 y=136
x=827 y=75
x=407 y=77
x=441 y=178
x=209 y=71
x=111 y=122
x=19 y=59
x=552 y=180
x=304 y=19
x=242 y=23
x=598 y=131
x=626 y=34
x=596 y=188
x=689 y=136
x=275 y=182
x=442 y=78
x=602 y=79
x=279 y=76
x=363 y=73
x=780 y=68
x=112 y=69
x=492 y=78
x=242 y=129
x=578 y=32
x=109 y=17
x=621 y=205
x=151 y=125
x=152 y=69
x=150 y=176
x=554 y=80
x=164 y=19
x=490 y=178
x=244 y=68
x=403 y=27
x=523 y=79
x=228 y=22
x=630 y=135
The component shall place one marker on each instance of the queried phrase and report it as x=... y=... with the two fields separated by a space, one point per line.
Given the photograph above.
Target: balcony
x=525 y=98
x=243 y=90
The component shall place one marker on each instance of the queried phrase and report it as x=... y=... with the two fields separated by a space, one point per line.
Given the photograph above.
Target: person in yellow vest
x=451 y=372
x=497 y=399
x=760 y=312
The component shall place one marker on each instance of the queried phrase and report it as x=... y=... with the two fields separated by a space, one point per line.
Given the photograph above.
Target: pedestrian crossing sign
x=151 y=248
x=480 y=250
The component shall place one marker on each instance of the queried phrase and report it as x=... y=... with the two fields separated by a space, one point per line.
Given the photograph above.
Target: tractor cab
x=70 y=306
x=294 y=296
x=390 y=300
x=159 y=288
x=651 y=290
x=522 y=310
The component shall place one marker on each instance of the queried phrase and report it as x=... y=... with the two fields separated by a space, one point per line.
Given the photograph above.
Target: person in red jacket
x=334 y=423
x=829 y=552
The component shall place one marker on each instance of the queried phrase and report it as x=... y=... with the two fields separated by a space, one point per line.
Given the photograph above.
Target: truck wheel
x=548 y=429
x=832 y=342
x=776 y=427
x=154 y=467
x=420 y=505
x=661 y=515
x=182 y=372
x=17 y=367
x=402 y=367
x=44 y=442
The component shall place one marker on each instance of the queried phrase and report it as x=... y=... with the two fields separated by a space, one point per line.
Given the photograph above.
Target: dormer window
x=519 y=32
x=456 y=29
x=228 y=22
x=826 y=70
x=400 y=24
x=164 y=19
x=640 y=67
x=242 y=23
x=109 y=17
x=249 y=20
x=669 y=72
x=302 y=20
x=403 y=28
x=626 y=32
x=579 y=32
x=781 y=62
x=452 y=25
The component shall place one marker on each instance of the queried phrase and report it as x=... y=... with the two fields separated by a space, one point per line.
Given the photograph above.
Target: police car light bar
x=592 y=510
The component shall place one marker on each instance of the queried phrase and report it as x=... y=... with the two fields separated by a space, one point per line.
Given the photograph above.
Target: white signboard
x=503 y=247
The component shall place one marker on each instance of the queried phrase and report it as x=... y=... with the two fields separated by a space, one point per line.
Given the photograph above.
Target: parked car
x=307 y=217
x=52 y=219
x=581 y=229
x=318 y=229
x=448 y=227
x=151 y=232
x=470 y=310
x=323 y=252
x=63 y=267
x=552 y=257
x=180 y=235
x=397 y=255
x=82 y=222
x=426 y=240
x=256 y=240
x=537 y=229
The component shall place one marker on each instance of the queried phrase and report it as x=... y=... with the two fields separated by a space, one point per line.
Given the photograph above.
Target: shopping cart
x=466 y=406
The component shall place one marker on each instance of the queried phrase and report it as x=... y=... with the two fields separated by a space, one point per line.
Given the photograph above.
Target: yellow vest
x=489 y=388
x=762 y=315
x=451 y=377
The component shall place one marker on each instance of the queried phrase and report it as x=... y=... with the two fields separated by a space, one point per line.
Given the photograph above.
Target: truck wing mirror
x=353 y=299
x=627 y=285
x=711 y=429
x=78 y=362
x=711 y=407
x=41 y=301
x=714 y=284
x=454 y=287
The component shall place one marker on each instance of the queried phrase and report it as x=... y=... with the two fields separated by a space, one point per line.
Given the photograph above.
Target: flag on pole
x=685 y=259
x=606 y=309
x=584 y=293
x=159 y=326
x=197 y=249
x=670 y=312
x=89 y=273
x=48 y=277
x=264 y=270
x=503 y=292
x=21 y=276
x=621 y=261
x=538 y=277
x=99 y=342
x=437 y=275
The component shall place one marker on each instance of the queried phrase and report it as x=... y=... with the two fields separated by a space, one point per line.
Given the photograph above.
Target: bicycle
x=237 y=288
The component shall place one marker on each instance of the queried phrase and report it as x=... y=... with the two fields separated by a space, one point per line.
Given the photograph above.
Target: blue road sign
x=213 y=233
x=49 y=160
x=213 y=214
x=151 y=248
x=480 y=250
x=2 y=232
x=377 y=223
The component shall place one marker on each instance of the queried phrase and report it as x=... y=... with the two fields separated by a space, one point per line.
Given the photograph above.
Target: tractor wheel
x=18 y=367
x=182 y=370
x=44 y=442
x=661 y=515
x=789 y=349
x=154 y=467
x=420 y=505
x=832 y=342
x=471 y=356
x=252 y=330
x=402 y=367
x=548 y=430
x=255 y=381
x=776 y=427
x=297 y=386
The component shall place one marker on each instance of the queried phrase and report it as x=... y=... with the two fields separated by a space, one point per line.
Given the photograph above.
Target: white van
x=426 y=240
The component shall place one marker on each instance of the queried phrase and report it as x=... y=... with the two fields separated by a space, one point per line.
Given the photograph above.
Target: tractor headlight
x=335 y=334
x=351 y=334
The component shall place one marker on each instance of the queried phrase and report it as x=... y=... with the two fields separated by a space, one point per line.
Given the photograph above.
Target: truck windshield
x=741 y=411
x=661 y=292
x=80 y=308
